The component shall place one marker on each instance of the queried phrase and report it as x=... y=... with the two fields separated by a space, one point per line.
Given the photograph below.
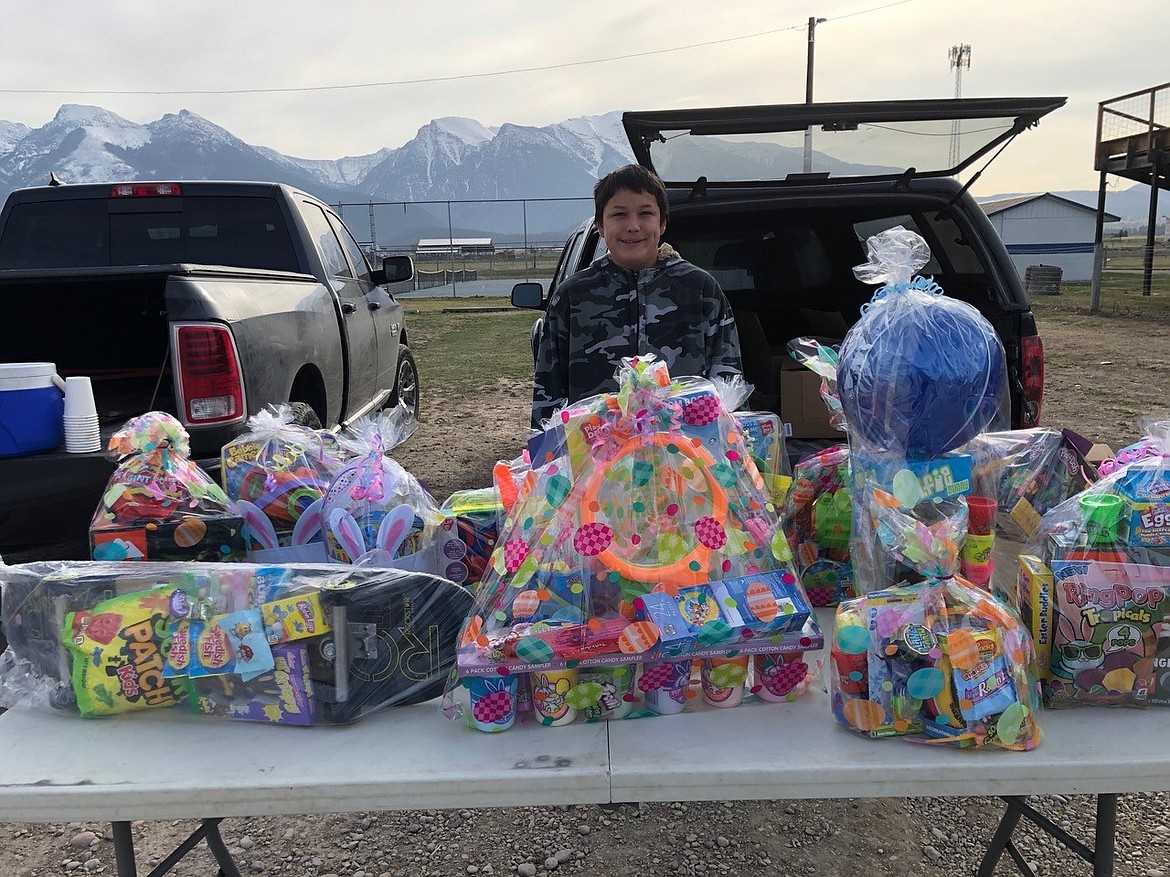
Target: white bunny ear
x=394 y=529
x=257 y=524
x=347 y=533
x=310 y=523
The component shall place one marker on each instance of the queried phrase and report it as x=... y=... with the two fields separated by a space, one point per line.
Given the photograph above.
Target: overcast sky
x=86 y=50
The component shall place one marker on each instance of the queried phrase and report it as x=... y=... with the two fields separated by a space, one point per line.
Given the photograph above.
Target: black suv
x=783 y=244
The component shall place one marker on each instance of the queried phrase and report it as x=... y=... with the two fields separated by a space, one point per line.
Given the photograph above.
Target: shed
x=1046 y=229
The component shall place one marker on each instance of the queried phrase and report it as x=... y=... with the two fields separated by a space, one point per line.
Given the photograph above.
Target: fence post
x=524 y=209
x=451 y=249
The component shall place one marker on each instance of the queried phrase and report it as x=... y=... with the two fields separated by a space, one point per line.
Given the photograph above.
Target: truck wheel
x=304 y=415
x=406 y=382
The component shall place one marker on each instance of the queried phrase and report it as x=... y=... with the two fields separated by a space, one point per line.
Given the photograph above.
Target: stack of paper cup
x=82 y=434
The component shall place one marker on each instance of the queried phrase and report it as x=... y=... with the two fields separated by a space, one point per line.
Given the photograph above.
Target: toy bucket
x=32 y=407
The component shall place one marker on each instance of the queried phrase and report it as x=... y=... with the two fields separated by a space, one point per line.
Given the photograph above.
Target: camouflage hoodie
x=604 y=312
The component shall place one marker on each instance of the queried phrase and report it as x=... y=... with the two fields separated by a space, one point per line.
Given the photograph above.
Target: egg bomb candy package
x=652 y=538
x=158 y=505
x=296 y=644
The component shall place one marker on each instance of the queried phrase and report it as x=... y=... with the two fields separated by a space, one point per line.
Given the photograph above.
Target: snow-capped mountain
x=449 y=158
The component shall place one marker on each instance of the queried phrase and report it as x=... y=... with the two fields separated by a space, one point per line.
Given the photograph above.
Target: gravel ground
x=920 y=836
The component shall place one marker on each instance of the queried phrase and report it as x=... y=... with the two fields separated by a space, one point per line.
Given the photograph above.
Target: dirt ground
x=1104 y=375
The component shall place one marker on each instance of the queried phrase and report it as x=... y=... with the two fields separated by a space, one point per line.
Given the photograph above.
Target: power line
x=433 y=79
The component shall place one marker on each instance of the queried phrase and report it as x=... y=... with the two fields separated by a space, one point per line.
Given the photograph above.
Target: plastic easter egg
x=920 y=374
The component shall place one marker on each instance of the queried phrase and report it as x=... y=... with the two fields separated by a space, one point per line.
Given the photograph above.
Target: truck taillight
x=211 y=389
x=145 y=190
x=1032 y=370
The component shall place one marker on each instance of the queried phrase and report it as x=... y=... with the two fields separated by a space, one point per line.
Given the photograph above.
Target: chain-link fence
x=467 y=248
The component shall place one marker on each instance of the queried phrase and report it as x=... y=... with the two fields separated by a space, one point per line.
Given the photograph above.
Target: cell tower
x=960 y=58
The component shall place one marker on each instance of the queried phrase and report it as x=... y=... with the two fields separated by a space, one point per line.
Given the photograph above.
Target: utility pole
x=813 y=21
x=960 y=58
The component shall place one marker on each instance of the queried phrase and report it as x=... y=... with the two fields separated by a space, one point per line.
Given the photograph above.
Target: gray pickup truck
x=208 y=300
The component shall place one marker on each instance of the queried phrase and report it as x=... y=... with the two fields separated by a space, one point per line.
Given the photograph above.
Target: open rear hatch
x=853 y=140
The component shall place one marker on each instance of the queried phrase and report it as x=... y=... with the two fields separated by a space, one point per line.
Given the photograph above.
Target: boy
x=639 y=298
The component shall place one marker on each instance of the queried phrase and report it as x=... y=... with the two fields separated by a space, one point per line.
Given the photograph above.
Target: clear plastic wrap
x=243 y=641
x=651 y=539
x=919 y=375
x=817 y=517
x=1017 y=476
x=276 y=475
x=1094 y=587
x=158 y=504
x=943 y=662
x=941 y=659
x=375 y=513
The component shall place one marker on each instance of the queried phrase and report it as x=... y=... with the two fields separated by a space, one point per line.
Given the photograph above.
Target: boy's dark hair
x=633 y=178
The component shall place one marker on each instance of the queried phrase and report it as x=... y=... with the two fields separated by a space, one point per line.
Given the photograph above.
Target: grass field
x=1121 y=295
x=468 y=351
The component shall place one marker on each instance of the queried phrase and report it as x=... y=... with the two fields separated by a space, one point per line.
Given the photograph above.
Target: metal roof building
x=1046 y=229
x=457 y=246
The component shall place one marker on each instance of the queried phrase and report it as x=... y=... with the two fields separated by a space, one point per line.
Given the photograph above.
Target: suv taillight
x=209 y=381
x=1032 y=369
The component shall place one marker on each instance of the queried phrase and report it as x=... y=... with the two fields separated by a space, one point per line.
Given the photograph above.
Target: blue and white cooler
x=32 y=408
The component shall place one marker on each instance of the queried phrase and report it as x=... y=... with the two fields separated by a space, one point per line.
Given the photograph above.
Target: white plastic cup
x=82 y=431
x=79 y=401
x=723 y=695
x=549 y=688
x=665 y=686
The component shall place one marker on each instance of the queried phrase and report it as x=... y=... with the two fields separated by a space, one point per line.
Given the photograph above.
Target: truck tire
x=304 y=415
x=405 y=382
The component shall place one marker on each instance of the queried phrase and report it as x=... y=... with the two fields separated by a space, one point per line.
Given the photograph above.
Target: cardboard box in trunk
x=801 y=405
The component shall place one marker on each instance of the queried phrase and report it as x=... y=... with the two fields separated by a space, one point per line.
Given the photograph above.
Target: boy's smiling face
x=632 y=226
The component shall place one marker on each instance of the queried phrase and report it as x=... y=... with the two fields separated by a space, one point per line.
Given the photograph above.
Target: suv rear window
x=240 y=232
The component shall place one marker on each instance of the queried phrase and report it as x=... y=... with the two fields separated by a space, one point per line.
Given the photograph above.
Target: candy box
x=283 y=696
x=694 y=616
x=769 y=602
x=1146 y=486
x=1035 y=594
x=943 y=477
x=1107 y=615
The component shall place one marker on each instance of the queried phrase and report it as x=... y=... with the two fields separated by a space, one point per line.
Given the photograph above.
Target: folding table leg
x=124 y=849
x=1100 y=856
x=227 y=865
x=208 y=830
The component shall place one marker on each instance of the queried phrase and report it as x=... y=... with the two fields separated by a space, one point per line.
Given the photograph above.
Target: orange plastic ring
x=680 y=572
